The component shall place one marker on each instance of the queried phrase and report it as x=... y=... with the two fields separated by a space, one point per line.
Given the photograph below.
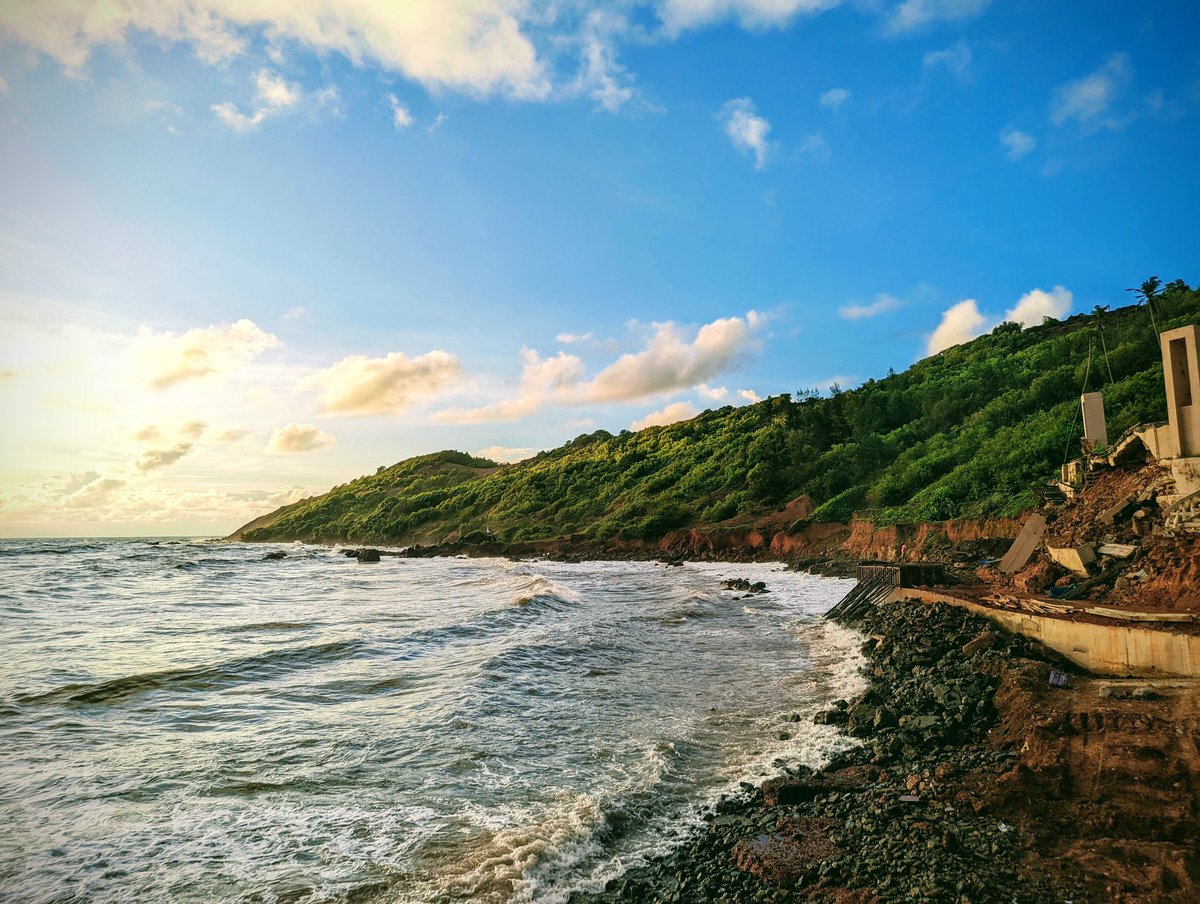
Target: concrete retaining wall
x=1117 y=650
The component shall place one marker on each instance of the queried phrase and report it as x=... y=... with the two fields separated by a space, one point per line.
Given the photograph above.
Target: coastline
x=976 y=780
x=1023 y=791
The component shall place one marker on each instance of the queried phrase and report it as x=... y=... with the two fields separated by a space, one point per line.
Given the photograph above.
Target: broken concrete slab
x=1024 y=546
x=1117 y=550
x=1109 y=515
x=1075 y=559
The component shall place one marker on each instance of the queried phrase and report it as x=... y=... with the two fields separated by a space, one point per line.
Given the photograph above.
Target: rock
x=830 y=717
x=984 y=641
x=367 y=555
x=275 y=556
x=787 y=855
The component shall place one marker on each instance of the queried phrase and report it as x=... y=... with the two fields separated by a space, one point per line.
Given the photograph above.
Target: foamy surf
x=440 y=730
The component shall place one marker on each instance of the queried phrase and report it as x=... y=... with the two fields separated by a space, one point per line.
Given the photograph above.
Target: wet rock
x=367 y=555
x=275 y=556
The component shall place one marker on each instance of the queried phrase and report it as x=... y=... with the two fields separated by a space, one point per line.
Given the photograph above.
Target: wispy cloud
x=600 y=76
x=835 y=98
x=882 y=304
x=746 y=129
x=273 y=95
x=402 y=117
x=678 y=15
x=956 y=58
x=914 y=15
x=1017 y=143
x=1088 y=102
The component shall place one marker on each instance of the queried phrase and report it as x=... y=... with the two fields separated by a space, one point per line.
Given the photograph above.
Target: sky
x=252 y=249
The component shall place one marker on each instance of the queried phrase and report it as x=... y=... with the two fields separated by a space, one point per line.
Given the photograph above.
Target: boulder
x=788 y=854
x=368 y=555
x=275 y=556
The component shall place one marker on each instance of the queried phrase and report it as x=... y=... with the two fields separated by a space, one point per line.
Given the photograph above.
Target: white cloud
x=1017 y=143
x=4 y=89
x=505 y=454
x=912 y=15
x=816 y=145
x=153 y=459
x=715 y=393
x=438 y=122
x=1036 y=305
x=402 y=117
x=956 y=58
x=601 y=77
x=167 y=358
x=883 y=304
x=273 y=92
x=678 y=15
x=676 y=411
x=746 y=129
x=749 y=395
x=298 y=438
x=359 y=385
x=542 y=380
x=473 y=46
x=573 y=338
x=1088 y=101
x=834 y=98
x=273 y=95
x=964 y=321
x=296 y=313
x=669 y=362
x=960 y=323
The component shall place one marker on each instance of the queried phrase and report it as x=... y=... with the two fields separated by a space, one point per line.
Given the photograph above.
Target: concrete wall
x=1181 y=373
x=1117 y=650
x=1095 y=428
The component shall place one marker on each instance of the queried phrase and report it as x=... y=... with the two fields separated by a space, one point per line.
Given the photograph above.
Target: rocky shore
x=977 y=779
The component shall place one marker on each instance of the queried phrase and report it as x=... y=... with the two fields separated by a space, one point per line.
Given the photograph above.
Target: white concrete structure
x=1095 y=430
x=1181 y=372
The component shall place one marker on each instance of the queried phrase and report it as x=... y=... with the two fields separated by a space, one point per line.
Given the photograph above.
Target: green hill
x=967 y=432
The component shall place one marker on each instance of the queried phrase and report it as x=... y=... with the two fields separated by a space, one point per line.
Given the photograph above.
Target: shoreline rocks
x=888 y=820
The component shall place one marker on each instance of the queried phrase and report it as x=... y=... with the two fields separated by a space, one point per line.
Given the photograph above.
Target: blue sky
x=251 y=250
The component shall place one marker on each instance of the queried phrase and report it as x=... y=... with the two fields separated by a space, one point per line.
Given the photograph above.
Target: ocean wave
x=243 y=670
x=541 y=589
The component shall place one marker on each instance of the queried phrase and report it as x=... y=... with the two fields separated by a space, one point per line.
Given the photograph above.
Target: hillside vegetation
x=967 y=432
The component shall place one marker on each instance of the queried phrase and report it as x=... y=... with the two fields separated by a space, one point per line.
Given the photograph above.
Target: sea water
x=184 y=720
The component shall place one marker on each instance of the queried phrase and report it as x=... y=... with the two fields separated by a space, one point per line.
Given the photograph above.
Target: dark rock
x=787 y=855
x=368 y=555
x=275 y=556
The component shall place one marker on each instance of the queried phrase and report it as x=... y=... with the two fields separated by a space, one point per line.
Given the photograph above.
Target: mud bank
x=814 y=543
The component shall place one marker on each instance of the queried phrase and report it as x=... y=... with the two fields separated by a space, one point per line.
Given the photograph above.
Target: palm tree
x=1147 y=294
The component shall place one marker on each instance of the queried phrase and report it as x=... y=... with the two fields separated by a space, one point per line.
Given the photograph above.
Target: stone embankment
x=976 y=780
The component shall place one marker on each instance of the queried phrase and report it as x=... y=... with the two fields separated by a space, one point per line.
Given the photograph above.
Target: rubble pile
x=1112 y=543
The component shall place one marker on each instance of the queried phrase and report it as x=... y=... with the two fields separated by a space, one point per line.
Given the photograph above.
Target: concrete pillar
x=1095 y=430
x=1181 y=373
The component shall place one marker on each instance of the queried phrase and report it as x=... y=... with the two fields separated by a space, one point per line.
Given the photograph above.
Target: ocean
x=183 y=720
